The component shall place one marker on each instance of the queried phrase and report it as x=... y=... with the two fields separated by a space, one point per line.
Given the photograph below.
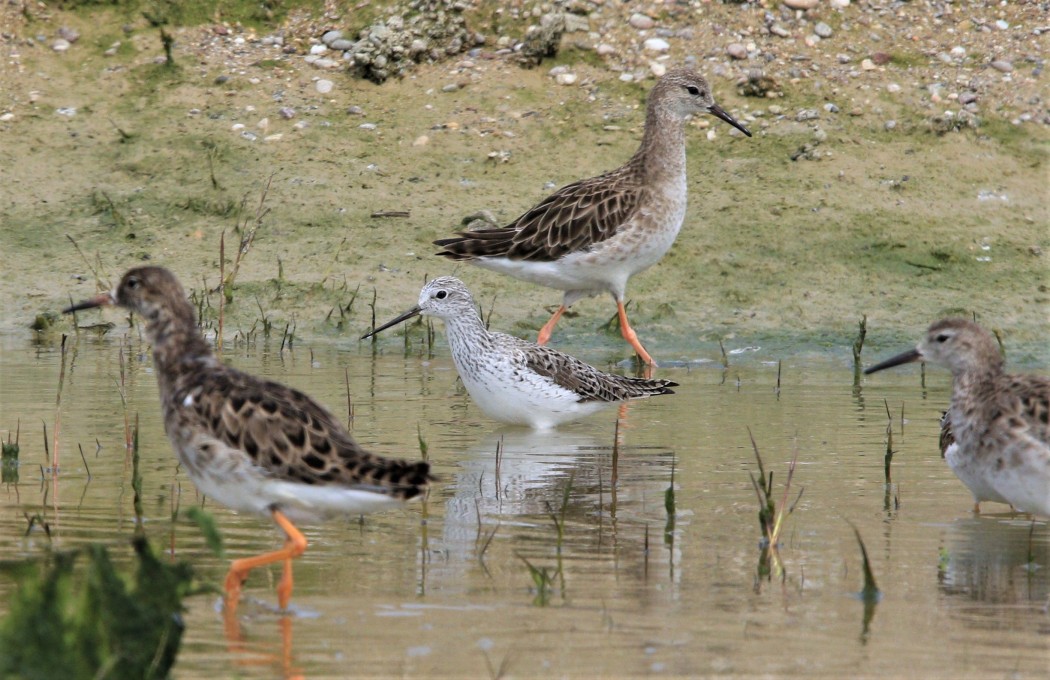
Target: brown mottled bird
x=996 y=435
x=251 y=444
x=591 y=236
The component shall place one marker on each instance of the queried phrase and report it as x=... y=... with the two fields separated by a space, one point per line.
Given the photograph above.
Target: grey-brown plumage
x=996 y=437
x=591 y=236
x=516 y=381
x=254 y=445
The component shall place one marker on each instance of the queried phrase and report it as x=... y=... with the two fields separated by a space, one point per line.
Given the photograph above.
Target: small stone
x=237 y=127
x=286 y=112
x=565 y=79
x=840 y=4
x=868 y=65
x=626 y=77
x=657 y=45
x=421 y=140
x=70 y=34
x=342 y=44
x=61 y=45
x=657 y=69
x=801 y=4
x=318 y=49
x=451 y=87
x=778 y=30
x=605 y=50
x=67 y=111
x=301 y=125
x=263 y=124
x=958 y=52
x=806 y=114
x=1002 y=66
x=250 y=136
x=355 y=111
x=831 y=108
x=325 y=62
x=736 y=51
x=1001 y=24
x=823 y=30
x=890 y=125
x=893 y=88
x=331 y=36
x=324 y=86
x=367 y=126
x=641 y=22
x=775 y=110
x=7 y=117
x=221 y=80
x=574 y=23
x=276 y=137
x=967 y=98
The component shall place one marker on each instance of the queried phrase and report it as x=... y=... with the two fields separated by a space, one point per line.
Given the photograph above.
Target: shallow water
x=425 y=591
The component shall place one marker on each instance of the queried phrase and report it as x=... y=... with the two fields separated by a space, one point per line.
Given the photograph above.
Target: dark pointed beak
x=718 y=112
x=902 y=358
x=415 y=311
x=101 y=300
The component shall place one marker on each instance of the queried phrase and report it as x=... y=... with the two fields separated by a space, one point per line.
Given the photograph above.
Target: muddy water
x=443 y=588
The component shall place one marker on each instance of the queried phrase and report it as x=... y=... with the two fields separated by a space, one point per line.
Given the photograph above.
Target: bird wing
x=575 y=217
x=587 y=381
x=1033 y=391
x=290 y=435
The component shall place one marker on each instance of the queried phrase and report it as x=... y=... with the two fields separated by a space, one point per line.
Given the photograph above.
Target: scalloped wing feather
x=587 y=381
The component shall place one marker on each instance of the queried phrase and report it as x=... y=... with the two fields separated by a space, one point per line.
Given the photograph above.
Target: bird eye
x=693 y=90
x=441 y=294
x=943 y=337
x=133 y=283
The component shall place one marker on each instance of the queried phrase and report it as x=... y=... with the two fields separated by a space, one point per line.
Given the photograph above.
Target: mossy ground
x=891 y=224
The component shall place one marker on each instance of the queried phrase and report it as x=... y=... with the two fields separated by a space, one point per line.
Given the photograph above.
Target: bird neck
x=662 y=152
x=465 y=332
x=979 y=376
x=177 y=342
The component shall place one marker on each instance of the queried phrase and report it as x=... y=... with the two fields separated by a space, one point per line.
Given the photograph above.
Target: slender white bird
x=516 y=381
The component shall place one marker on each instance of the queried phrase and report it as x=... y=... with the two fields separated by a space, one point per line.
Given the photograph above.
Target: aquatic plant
x=95 y=622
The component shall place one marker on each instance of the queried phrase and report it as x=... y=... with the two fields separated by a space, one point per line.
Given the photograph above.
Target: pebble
x=565 y=78
x=890 y=125
x=250 y=136
x=1002 y=66
x=7 y=117
x=736 y=51
x=70 y=34
x=1002 y=24
x=324 y=86
x=641 y=22
x=778 y=30
x=342 y=44
x=286 y=112
x=840 y=4
x=451 y=87
x=606 y=50
x=967 y=98
x=331 y=36
x=868 y=65
x=958 y=52
x=831 y=108
x=421 y=140
x=237 y=126
x=657 y=69
x=301 y=125
x=823 y=30
x=60 y=45
x=657 y=45
x=263 y=124
x=806 y=114
x=801 y=4
x=355 y=111
x=367 y=126
x=626 y=77
x=318 y=49
x=893 y=88
x=67 y=111
x=276 y=137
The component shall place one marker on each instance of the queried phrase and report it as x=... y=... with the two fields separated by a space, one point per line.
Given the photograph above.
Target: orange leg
x=630 y=336
x=548 y=328
x=294 y=546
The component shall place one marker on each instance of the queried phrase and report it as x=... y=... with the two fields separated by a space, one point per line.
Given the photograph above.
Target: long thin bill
x=97 y=301
x=718 y=112
x=902 y=358
x=415 y=311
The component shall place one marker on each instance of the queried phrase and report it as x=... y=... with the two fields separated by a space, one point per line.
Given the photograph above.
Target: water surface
x=638 y=586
